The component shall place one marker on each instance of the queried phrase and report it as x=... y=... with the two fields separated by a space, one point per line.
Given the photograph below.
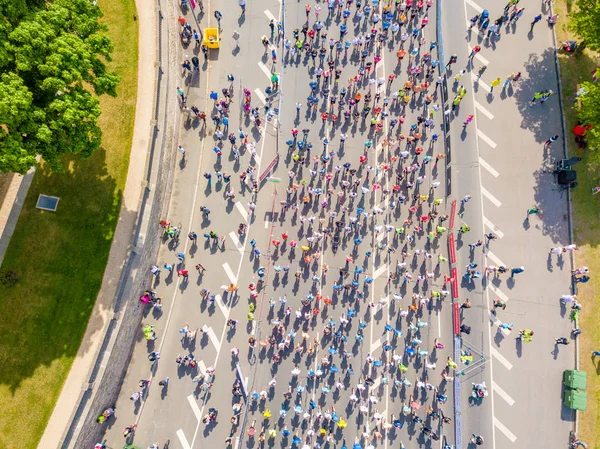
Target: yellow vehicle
x=211 y=37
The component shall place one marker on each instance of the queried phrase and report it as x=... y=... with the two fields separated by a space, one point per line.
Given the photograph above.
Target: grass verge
x=60 y=257
x=586 y=211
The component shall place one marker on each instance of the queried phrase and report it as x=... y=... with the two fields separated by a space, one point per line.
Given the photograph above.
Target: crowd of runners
x=381 y=206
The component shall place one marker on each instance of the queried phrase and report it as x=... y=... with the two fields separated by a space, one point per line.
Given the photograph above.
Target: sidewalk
x=103 y=309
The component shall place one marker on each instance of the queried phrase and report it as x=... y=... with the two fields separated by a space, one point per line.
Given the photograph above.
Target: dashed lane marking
x=486 y=139
x=503 y=394
x=474 y=5
x=480 y=83
x=489 y=168
x=500 y=358
x=495 y=201
x=241 y=210
x=498 y=293
x=229 y=272
x=502 y=428
x=183 y=440
x=270 y=15
x=219 y=302
x=495 y=259
x=265 y=70
x=213 y=338
x=379 y=271
x=195 y=407
x=260 y=95
x=484 y=111
x=493 y=227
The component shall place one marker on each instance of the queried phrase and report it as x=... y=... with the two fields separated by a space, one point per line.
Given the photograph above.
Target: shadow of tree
x=60 y=259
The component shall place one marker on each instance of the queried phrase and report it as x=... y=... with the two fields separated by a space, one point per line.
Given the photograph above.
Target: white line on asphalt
x=497 y=323
x=269 y=15
x=498 y=292
x=493 y=227
x=482 y=59
x=260 y=95
x=486 y=139
x=379 y=271
x=380 y=237
x=229 y=273
x=195 y=407
x=376 y=384
x=245 y=382
x=490 y=197
x=201 y=366
x=183 y=440
x=489 y=168
x=500 y=358
x=483 y=110
x=236 y=242
x=375 y=345
x=503 y=394
x=265 y=69
x=480 y=83
x=241 y=210
x=213 y=338
x=495 y=259
x=257 y=159
x=222 y=306
x=474 y=5
x=502 y=428
x=267 y=223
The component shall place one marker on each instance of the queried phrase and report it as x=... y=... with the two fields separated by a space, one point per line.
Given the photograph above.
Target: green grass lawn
x=60 y=257
x=586 y=215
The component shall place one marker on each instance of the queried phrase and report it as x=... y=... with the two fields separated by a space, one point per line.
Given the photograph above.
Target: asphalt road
x=500 y=160
x=175 y=413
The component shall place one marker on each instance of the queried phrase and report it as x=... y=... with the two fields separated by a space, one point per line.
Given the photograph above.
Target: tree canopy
x=585 y=21
x=52 y=68
x=589 y=112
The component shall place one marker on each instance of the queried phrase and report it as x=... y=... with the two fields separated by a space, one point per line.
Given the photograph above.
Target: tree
x=589 y=112
x=51 y=60
x=585 y=21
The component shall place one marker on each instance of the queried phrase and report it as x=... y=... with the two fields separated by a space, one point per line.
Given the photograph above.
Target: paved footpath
x=352 y=259
x=501 y=161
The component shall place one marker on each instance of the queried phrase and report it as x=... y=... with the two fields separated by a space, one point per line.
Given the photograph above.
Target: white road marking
x=236 y=242
x=480 y=83
x=379 y=271
x=502 y=428
x=257 y=159
x=482 y=59
x=269 y=15
x=241 y=210
x=183 y=440
x=245 y=382
x=486 y=139
x=213 y=338
x=495 y=259
x=493 y=227
x=483 y=110
x=222 y=306
x=500 y=358
x=380 y=237
x=503 y=394
x=490 y=197
x=201 y=366
x=498 y=293
x=376 y=384
x=474 y=5
x=267 y=221
x=488 y=167
x=229 y=273
x=195 y=407
x=497 y=323
x=375 y=345
x=260 y=95
x=265 y=69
